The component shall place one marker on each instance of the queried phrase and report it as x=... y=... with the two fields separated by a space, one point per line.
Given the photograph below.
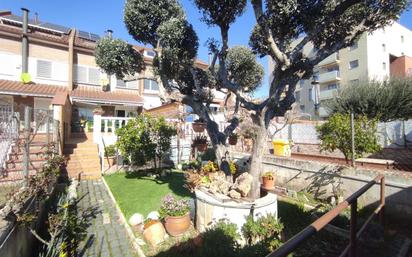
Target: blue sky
x=99 y=15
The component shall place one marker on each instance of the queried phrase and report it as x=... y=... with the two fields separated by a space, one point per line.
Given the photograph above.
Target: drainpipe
x=72 y=36
x=24 y=42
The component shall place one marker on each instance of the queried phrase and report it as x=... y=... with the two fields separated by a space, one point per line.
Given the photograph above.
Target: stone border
x=129 y=230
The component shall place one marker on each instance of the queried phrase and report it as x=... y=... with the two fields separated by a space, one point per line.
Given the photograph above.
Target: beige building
x=375 y=56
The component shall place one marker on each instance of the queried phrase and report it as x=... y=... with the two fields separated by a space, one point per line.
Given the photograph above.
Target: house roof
x=31 y=89
x=95 y=94
x=81 y=93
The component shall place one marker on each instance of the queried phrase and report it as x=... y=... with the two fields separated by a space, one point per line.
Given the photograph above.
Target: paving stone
x=109 y=236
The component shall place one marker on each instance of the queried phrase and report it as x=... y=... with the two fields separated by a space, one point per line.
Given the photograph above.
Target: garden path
x=106 y=234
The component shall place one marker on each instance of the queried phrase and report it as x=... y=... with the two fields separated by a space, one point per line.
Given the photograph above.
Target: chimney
x=24 y=42
x=72 y=37
x=36 y=18
x=209 y=58
x=109 y=33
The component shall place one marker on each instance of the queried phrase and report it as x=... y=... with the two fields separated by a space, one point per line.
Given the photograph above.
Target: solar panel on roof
x=52 y=26
x=88 y=35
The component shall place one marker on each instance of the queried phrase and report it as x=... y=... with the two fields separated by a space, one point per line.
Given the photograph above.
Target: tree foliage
x=145 y=139
x=335 y=134
x=388 y=100
x=118 y=57
x=283 y=29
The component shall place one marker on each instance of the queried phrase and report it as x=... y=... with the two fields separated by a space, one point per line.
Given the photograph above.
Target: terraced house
x=58 y=67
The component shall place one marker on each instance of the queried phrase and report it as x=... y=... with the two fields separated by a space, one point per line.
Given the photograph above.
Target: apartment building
x=375 y=56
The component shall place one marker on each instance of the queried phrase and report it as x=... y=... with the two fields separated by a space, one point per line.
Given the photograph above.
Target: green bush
x=336 y=134
x=265 y=230
x=110 y=151
x=145 y=139
x=208 y=155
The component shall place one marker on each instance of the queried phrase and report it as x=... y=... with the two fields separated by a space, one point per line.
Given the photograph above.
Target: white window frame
x=87 y=80
x=150 y=90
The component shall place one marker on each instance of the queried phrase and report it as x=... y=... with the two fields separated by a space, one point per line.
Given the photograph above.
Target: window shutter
x=80 y=74
x=120 y=83
x=94 y=76
x=44 y=69
x=132 y=84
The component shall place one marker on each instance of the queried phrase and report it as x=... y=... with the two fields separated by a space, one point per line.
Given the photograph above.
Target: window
x=86 y=75
x=353 y=46
x=150 y=85
x=44 y=69
x=384 y=47
x=384 y=65
x=353 y=64
x=133 y=84
x=94 y=76
x=120 y=83
x=310 y=95
x=150 y=53
x=80 y=74
x=332 y=86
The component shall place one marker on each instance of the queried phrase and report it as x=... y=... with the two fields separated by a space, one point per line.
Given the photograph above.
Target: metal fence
x=9 y=132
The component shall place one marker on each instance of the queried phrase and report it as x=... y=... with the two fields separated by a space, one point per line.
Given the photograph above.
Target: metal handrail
x=320 y=223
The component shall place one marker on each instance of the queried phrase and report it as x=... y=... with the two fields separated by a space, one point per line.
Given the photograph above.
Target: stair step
x=13 y=176
x=18 y=164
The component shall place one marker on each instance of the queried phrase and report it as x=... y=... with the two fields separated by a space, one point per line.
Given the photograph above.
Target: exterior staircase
x=14 y=170
x=82 y=157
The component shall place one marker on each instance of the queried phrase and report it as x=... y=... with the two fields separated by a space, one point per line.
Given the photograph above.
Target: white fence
x=391 y=134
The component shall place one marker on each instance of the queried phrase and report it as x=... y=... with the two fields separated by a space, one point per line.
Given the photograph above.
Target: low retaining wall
x=325 y=180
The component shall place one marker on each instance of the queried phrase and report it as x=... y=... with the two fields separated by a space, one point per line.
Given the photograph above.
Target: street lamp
x=316 y=94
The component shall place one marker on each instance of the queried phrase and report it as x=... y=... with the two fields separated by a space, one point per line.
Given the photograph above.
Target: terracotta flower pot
x=202 y=147
x=154 y=234
x=198 y=127
x=176 y=226
x=268 y=182
x=232 y=140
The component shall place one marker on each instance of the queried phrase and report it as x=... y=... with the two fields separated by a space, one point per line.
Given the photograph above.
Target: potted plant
x=200 y=142
x=176 y=215
x=233 y=139
x=109 y=154
x=153 y=232
x=268 y=180
x=199 y=125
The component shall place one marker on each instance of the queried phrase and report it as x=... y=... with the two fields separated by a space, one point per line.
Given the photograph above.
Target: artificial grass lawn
x=136 y=193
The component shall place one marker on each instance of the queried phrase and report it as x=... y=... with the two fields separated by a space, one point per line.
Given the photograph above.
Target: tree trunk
x=258 y=153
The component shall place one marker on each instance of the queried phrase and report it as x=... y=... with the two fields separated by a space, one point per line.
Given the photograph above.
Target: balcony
x=327 y=94
x=323 y=112
x=329 y=76
x=331 y=59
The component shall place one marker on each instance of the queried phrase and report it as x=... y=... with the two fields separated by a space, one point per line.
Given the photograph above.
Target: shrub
x=208 y=155
x=266 y=229
x=110 y=151
x=336 y=134
x=220 y=240
x=144 y=139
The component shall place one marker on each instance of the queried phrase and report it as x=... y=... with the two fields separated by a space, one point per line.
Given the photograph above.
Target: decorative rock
x=136 y=219
x=243 y=184
x=234 y=194
x=219 y=184
x=154 y=215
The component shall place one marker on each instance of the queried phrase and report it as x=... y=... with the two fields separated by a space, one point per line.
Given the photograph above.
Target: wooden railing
x=320 y=223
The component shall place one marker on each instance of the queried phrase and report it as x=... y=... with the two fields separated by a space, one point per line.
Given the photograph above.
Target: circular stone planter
x=210 y=209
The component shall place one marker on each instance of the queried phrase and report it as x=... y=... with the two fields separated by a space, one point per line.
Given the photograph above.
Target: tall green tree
x=328 y=25
x=386 y=100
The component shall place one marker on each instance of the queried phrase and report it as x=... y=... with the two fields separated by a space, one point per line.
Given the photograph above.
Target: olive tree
x=386 y=100
x=283 y=28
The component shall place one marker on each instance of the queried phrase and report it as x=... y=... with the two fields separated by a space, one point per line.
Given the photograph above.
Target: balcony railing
x=327 y=94
x=329 y=76
x=331 y=59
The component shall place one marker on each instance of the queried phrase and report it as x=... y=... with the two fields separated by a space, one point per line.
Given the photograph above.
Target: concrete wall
x=323 y=179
